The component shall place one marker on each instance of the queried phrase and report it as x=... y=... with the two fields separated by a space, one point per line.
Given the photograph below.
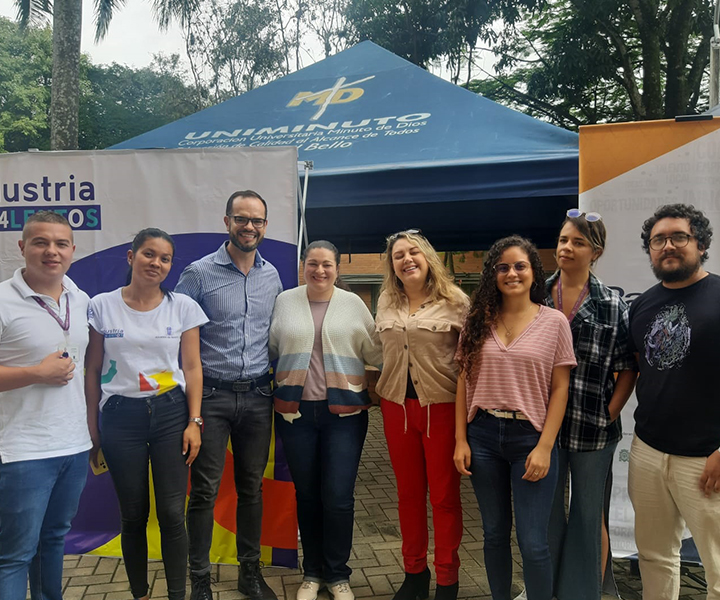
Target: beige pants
x=665 y=493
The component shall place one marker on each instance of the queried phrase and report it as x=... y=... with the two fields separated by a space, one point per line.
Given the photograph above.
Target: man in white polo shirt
x=44 y=438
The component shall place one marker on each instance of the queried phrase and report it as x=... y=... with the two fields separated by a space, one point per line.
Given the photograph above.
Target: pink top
x=518 y=377
x=315 y=387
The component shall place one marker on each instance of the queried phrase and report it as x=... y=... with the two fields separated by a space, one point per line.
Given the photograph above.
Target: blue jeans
x=575 y=541
x=246 y=419
x=38 y=500
x=499 y=449
x=323 y=452
x=135 y=432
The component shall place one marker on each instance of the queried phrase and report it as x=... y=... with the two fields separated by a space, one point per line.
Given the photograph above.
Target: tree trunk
x=677 y=94
x=65 y=94
x=646 y=17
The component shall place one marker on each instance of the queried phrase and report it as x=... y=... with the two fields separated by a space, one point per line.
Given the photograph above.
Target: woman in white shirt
x=150 y=405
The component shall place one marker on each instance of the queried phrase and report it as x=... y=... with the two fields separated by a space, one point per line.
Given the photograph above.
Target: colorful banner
x=626 y=172
x=108 y=196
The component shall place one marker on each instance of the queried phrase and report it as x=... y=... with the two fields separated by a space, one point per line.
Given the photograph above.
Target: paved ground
x=376 y=561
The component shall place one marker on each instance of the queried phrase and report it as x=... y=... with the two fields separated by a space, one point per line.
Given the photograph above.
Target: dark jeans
x=499 y=449
x=323 y=452
x=38 y=500
x=575 y=540
x=246 y=419
x=135 y=432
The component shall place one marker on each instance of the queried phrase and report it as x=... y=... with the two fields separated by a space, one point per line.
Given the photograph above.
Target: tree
x=234 y=46
x=25 y=66
x=67 y=28
x=327 y=21
x=592 y=61
x=116 y=102
x=423 y=31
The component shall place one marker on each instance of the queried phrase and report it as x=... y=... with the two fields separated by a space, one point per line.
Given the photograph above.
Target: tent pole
x=302 y=200
x=715 y=59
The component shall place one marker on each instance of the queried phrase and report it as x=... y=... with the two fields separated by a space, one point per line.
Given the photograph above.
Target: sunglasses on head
x=590 y=217
x=405 y=233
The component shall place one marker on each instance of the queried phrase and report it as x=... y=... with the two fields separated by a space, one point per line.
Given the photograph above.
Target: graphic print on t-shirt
x=667 y=341
x=156 y=382
x=111 y=372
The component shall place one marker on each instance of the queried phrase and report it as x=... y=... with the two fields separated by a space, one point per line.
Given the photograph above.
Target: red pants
x=421 y=461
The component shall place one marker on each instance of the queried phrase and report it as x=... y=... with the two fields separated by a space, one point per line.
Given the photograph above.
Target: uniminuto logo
x=339 y=93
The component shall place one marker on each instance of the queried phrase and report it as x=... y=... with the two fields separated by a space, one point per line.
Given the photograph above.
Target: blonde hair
x=439 y=284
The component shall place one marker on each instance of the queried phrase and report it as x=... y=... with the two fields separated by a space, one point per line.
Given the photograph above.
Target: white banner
x=110 y=195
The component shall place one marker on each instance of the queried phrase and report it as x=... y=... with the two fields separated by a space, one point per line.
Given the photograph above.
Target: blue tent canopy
x=395 y=147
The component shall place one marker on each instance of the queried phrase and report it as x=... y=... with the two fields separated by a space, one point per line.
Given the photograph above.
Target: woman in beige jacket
x=420 y=314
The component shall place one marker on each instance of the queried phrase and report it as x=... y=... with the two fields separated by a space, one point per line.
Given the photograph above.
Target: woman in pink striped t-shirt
x=515 y=356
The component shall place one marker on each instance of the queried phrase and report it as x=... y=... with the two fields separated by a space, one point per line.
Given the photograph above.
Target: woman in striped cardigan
x=323 y=337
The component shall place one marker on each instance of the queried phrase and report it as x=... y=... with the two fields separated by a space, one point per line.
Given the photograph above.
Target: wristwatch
x=198 y=420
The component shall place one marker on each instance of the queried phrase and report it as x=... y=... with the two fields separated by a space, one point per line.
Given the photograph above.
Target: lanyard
x=64 y=324
x=578 y=302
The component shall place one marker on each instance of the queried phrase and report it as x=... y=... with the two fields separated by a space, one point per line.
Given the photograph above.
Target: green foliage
x=67 y=21
x=116 y=102
x=425 y=30
x=235 y=46
x=592 y=61
x=25 y=66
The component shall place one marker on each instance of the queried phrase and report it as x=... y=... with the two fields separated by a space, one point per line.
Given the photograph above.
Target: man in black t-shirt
x=674 y=476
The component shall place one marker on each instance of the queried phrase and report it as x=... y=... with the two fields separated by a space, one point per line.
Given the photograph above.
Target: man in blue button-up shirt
x=237 y=289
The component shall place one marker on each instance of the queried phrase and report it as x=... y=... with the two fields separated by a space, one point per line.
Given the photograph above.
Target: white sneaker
x=342 y=591
x=308 y=590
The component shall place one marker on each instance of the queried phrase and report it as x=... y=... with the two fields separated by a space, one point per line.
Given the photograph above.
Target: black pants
x=135 y=433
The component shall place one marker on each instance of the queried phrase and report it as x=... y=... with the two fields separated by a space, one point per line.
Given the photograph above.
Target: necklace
x=520 y=319
x=508 y=331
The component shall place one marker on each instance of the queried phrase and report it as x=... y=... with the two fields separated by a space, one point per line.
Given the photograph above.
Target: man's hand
x=55 y=369
x=710 y=478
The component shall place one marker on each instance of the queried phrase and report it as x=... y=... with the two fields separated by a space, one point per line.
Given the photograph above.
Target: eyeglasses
x=243 y=221
x=590 y=217
x=504 y=268
x=405 y=233
x=678 y=239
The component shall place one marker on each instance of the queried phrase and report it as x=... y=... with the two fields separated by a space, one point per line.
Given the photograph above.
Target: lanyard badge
x=69 y=351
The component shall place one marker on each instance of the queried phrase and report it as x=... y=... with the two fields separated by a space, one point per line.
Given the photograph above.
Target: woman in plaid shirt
x=591 y=428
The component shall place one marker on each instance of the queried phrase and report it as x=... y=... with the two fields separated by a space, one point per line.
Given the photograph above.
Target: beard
x=245 y=246
x=680 y=273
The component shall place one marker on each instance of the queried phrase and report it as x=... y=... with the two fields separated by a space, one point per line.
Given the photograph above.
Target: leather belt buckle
x=243 y=386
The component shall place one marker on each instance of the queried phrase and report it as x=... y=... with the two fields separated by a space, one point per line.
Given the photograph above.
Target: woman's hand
x=537 y=464
x=462 y=457
x=95 y=450
x=191 y=442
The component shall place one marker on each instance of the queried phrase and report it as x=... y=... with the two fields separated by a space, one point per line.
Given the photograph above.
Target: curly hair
x=486 y=299
x=699 y=225
x=439 y=284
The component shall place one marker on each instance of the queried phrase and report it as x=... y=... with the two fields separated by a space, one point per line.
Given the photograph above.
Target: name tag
x=72 y=352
